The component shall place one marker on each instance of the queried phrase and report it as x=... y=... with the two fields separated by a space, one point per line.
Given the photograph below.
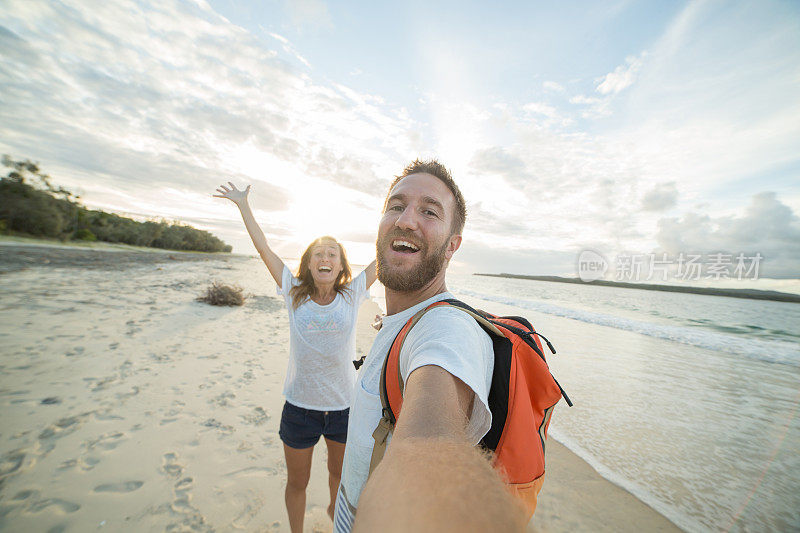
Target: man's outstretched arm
x=432 y=478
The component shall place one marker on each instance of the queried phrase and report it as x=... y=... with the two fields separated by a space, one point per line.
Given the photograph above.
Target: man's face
x=414 y=236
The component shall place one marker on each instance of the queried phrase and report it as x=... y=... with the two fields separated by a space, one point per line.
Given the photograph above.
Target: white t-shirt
x=445 y=337
x=323 y=345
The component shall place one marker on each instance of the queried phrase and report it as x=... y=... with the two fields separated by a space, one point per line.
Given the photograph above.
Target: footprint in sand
x=66 y=465
x=219 y=426
x=256 y=471
x=25 y=495
x=184 y=484
x=222 y=399
x=123 y=486
x=104 y=416
x=125 y=369
x=191 y=518
x=62 y=427
x=101 y=384
x=172 y=414
x=10 y=463
x=133 y=392
x=132 y=328
x=78 y=350
x=63 y=505
x=170 y=465
x=88 y=462
x=257 y=417
x=160 y=357
x=108 y=441
x=249 y=506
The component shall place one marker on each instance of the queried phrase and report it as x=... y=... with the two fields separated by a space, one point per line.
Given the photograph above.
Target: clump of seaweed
x=220 y=294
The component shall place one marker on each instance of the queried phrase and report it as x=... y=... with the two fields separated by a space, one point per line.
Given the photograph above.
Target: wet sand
x=126 y=405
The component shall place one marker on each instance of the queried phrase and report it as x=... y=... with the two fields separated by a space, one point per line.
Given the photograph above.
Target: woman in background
x=322 y=301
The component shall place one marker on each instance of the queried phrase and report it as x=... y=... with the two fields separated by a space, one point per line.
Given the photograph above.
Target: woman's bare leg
x=335 y=458
x=298 y=469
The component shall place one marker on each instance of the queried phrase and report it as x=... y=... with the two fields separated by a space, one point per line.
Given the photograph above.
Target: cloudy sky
x=621 y=127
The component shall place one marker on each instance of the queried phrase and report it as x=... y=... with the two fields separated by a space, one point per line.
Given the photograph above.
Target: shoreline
x=575 y=497
x=18 y=256
x=748 y=294
x=7 y=240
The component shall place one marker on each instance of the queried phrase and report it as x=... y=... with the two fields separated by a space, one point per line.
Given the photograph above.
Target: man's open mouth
x=405 y=247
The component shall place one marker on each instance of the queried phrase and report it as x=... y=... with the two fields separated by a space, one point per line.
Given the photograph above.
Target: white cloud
x=552 y=87
x=593 y=107
x=554 y=190
x=661 y=197
x=717 y=103
x=312 y=14
x=540 y=108
x=768 y=227
x=122 y=101
x=287 y=47
x=126 y=99
x=623 y=76
x=494 y=259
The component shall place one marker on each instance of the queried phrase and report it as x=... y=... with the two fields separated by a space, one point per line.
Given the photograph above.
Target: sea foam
x=785 y=353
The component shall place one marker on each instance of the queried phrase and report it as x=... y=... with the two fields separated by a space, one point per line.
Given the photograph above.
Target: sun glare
x=315 y=207
x=320 y=208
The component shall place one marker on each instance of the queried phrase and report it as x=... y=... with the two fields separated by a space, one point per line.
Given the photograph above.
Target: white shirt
x=444 y=337
x=323 y=345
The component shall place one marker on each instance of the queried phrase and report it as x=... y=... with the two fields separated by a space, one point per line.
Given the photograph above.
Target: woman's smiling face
x=325 y=263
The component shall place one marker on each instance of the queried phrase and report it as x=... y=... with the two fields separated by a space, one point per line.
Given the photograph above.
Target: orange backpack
x=521 y=398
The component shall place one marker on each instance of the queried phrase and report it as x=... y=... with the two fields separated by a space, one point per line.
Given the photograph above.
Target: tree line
x=31 y=205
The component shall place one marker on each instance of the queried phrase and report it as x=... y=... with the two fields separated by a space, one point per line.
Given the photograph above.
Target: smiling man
x=432 y=477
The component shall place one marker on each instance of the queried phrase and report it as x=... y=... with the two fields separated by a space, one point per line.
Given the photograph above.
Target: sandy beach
x=129 y=406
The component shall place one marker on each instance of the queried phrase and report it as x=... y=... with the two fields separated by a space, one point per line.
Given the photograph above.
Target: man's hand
x=233 y=194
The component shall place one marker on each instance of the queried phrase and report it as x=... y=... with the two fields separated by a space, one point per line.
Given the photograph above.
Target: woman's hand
x=239 y=197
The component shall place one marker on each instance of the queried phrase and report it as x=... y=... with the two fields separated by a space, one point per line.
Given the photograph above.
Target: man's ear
x=452 y=245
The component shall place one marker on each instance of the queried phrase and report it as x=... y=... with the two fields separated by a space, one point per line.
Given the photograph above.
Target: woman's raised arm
x=270 y=258
x=372 y=273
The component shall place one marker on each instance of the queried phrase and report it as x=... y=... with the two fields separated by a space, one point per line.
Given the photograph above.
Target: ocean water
x=688 y=401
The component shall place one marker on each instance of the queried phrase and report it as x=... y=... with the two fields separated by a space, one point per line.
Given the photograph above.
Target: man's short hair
x=435 y=168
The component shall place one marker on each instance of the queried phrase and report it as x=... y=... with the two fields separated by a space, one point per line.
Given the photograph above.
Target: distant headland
x=750 y=294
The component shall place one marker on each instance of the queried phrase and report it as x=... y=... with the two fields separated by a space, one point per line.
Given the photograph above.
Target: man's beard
x=414 y=278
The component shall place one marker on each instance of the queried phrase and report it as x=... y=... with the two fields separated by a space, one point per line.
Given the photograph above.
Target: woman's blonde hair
x=306 y=289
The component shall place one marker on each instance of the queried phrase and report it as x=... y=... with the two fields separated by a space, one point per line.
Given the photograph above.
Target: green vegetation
x=221 y=294
x=31 y=205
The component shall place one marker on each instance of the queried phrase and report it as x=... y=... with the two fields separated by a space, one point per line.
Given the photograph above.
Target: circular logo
x=591 y=265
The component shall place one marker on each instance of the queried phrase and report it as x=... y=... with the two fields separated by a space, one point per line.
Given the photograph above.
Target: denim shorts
x=301 y=428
